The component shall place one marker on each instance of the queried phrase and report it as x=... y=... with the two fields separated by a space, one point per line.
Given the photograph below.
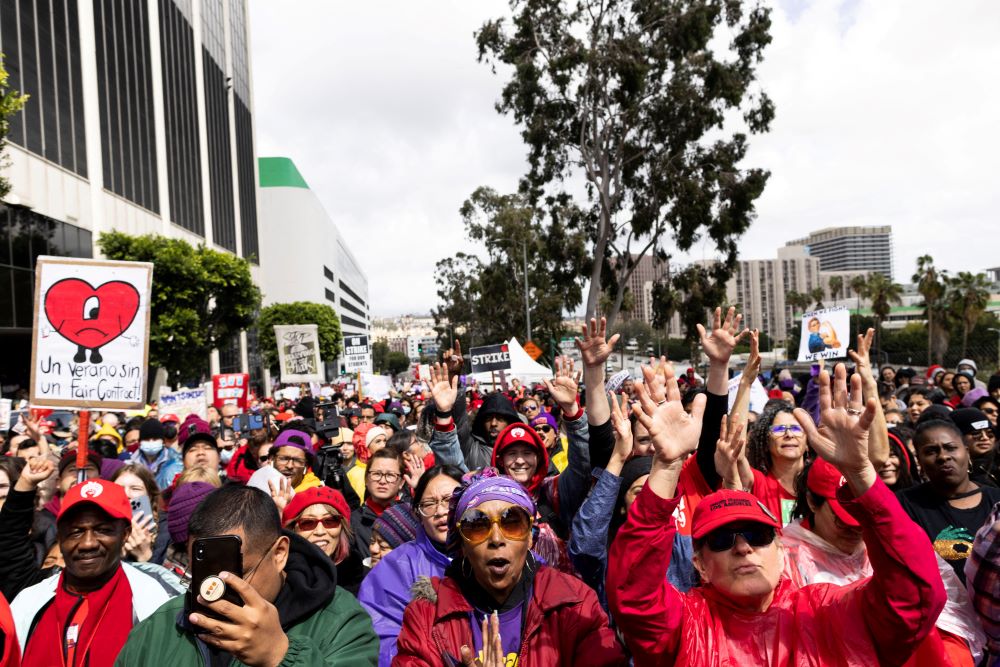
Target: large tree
x=300 y=312
x=692 y=292
x=932 y=285
x=11 y=103
x=648 y=102
x=883 y=294
x=968 y=295
x=484 y=300
x=201 y=299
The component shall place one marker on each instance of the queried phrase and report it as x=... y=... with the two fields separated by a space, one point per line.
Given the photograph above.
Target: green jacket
x=340 y=633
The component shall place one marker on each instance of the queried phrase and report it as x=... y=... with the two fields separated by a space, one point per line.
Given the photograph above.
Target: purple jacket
x=385 y=592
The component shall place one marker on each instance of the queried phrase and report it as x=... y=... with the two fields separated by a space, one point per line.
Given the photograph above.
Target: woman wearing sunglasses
x=537 y=615
x=385 y=592
x=776 y=450
x=746 y=612
x=322 y=517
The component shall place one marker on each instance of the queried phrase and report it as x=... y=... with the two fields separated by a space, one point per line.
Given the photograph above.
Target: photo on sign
x=825 y=334
x=90 y=339
x=298 y=353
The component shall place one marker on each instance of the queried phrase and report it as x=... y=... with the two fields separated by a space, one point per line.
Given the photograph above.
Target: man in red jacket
x=746 y=613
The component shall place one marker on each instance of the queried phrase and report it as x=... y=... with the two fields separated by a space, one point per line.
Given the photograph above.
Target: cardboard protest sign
x=375 y=386
x=758 y=395
x=184 y=402
x=298 y=353
x=90 y=340
x=825 y=334
x=357 y=355
x=489 y=358
x=231 y=388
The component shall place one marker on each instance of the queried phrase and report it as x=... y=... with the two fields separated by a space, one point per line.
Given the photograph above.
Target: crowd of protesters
x=852 y=519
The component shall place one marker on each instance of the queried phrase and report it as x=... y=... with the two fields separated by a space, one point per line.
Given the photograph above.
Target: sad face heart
x=91 y=317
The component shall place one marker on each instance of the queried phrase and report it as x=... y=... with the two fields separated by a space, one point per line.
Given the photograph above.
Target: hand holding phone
x=209 y=557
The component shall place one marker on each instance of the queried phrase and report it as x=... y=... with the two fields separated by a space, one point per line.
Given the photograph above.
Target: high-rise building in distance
x=866 y=249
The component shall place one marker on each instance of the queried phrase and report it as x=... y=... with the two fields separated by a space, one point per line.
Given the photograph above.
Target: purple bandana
x=481 y=488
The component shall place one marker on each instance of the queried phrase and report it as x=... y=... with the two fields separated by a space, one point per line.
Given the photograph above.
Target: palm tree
x=860 y=286
x=817 y=294
x=883 y=293
x=969 y=294
x=836 y=287
x=932 y=288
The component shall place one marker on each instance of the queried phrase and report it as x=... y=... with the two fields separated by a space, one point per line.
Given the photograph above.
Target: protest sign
x=489 y=358
x=825 y=334
x=184 y=402
x=758 y=395
x=5 y=409
x=376 y=387
x=298 y=353
x=231 y=388
x=90 y=340
x=357 y=355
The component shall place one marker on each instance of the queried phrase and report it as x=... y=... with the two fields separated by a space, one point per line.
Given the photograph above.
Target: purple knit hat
x=397 y=525
x=476 y=489
x=184 y=502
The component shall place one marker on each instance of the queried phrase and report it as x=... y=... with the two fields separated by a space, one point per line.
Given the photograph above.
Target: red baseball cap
x=170 y=417
x=109 y=496
x=824 y=480
x=729 y=506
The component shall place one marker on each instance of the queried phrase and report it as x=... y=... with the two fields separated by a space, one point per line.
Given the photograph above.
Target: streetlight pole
x=527 y=310
x=997 y=331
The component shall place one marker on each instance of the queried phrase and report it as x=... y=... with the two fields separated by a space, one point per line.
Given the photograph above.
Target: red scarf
x=375 y=507
x=102 y=634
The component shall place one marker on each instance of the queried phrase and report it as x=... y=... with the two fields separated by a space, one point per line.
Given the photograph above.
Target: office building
x=760 y=286
x=306 y=256
x=647 y=272
x=860 y=249
x=140 y=120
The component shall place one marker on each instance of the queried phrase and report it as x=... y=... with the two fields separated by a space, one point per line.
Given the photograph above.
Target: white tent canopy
x=522 y=367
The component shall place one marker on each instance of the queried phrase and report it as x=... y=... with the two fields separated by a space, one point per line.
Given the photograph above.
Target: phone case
x=209 y=557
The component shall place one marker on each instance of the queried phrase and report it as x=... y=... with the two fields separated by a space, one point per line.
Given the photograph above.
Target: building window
x=125 y=91
x=330 y=296
x=352 y=293
x=181 y=117
x=328 y=273
x=24 y=235
x=41 y=47
x=246 y=168
x=353 y=323
x=351 y=307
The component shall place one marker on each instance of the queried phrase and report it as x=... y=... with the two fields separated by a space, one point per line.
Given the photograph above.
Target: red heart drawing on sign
x=91 y=317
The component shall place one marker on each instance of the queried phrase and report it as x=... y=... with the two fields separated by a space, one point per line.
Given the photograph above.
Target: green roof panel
x=280 y=172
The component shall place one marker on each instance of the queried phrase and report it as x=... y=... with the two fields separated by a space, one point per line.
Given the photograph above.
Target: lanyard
x=69 y=655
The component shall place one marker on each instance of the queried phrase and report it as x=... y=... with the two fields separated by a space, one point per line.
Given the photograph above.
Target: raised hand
x=842 y=439
x=281 y=492
x=752 y=369
x=37 y=471
x=443 y=390
x=454 y=360
x=622 y=428
x=724 y=337
x=594 y=346
x=414 y=469
x=139 y=544
x=673 y=431
x=564 y=386
x=861 y=359
x=728 y=451
x=492 y=646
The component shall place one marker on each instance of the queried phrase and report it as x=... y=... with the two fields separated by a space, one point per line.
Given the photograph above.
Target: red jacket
x=876 y=621
x=564 y=625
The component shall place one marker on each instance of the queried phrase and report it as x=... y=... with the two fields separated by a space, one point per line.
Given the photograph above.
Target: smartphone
x=209 y=557
x=248 y=421
x=141 y=504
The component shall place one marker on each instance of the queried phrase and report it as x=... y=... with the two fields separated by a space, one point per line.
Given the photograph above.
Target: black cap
x=151 y=429
x=970 y=420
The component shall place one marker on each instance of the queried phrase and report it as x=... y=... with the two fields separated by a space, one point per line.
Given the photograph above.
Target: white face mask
x=151 y=447
x=225 y=456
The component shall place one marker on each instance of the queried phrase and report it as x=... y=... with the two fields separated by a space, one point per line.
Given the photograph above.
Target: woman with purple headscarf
x=496 y=603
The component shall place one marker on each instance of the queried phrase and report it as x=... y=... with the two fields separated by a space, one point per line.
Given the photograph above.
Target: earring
x=464 y=563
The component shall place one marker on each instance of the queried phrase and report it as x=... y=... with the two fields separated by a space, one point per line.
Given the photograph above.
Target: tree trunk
x=878 y=343
x=965 y=339
x=594 y=293
x=930 y=332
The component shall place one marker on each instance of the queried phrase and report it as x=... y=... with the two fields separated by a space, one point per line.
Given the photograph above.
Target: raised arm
x=444 y=439
x=739 y=418
x=573 y=482
x=878 y=438
x=20 y=569
x=648 y=609
x=904 y=596
x=595 y=350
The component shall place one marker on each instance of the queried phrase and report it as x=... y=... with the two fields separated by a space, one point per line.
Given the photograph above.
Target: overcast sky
x=887 y=113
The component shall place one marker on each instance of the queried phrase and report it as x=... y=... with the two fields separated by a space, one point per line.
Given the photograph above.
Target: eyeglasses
x=329 y=522
x=983 y=434
x=290 y=460
x=725 y=538
x=430 y=506
x=476 y=526
x=543 y=429
x=263 y=458
x=391 y=477
x=989 y=411
x=528 y=408
x=782 y=429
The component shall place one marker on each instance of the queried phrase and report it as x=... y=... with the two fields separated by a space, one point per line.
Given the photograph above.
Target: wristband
x=442 y=415
x=573 y=417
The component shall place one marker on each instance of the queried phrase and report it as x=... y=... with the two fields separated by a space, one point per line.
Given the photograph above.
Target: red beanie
x=317 y=495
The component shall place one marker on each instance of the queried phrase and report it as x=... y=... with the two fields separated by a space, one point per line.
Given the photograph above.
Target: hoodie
x=478 y=451
x=324 y=623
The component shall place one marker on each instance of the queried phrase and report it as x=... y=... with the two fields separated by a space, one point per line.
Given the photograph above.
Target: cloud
x=886 y=114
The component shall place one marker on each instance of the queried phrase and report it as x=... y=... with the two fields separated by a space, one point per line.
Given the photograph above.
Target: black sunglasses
x=724 y=539
x=543 y=429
